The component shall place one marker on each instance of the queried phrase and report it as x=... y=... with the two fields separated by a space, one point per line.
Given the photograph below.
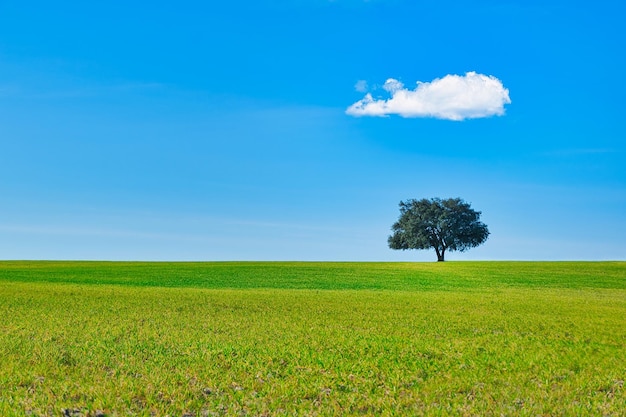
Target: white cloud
x=361 y=86
x=453 y=97
x=392 y=85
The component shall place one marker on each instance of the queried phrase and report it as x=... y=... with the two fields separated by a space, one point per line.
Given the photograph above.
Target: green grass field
x=290 y=338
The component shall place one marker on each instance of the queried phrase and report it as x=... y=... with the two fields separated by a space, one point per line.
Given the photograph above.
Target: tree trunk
x=440 y=255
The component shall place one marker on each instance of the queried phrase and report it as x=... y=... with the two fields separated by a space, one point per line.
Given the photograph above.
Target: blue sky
x=220 y=130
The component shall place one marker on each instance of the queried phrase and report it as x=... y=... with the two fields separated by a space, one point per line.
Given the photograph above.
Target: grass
x=195 y=339
x=324 y=275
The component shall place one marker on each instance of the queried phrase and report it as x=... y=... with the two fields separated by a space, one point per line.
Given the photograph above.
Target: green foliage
x=494 y=339
x=449 y=224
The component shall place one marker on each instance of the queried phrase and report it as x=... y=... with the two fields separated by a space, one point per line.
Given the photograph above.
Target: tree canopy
x=445 y=225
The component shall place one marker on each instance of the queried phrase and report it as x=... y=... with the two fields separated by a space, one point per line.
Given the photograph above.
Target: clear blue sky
x=222 y=131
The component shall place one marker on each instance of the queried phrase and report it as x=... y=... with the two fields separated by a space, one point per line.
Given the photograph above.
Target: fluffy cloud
x=453 y=97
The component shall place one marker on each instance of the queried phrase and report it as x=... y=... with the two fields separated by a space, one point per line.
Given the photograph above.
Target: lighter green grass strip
x=431 y=276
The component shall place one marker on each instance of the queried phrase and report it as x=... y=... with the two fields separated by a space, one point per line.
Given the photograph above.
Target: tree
x=449 y=224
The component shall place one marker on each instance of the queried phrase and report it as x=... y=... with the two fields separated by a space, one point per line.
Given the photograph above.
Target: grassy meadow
x=298 y=338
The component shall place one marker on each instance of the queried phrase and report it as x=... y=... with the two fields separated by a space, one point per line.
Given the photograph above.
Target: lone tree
x=441 y=224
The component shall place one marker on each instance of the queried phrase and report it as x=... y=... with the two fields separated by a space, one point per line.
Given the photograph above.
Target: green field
x=295 y=338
